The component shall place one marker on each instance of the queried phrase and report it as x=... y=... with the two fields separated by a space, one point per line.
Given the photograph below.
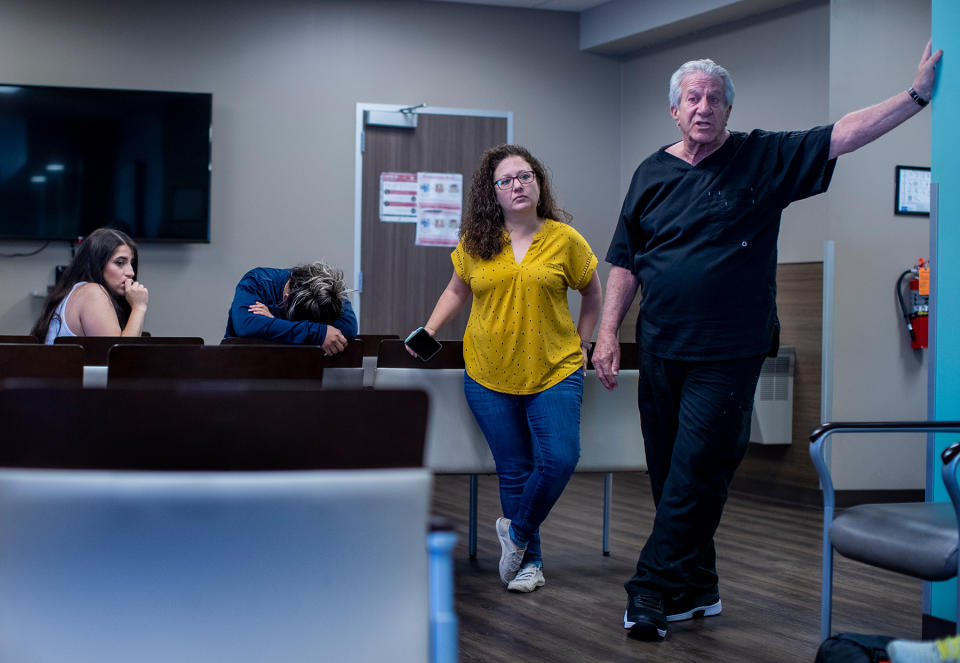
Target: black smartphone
x=425 y=345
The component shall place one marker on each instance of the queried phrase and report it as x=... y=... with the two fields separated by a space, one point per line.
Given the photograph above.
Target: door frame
x=358 y=170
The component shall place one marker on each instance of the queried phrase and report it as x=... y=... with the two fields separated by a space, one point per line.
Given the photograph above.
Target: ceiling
x=620 y=27
x=555 y=5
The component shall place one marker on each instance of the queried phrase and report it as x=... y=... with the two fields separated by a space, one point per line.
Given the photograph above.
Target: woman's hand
x=410 y=351
x=259 y=308
x=585 y=349
x=136 y=294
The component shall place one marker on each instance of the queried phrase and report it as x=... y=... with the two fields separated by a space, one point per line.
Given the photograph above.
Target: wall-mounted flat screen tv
x=74 y=159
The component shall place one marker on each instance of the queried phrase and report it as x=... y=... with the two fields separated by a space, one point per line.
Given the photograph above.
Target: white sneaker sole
x=702 y=610
x=662 y=632
x=525 y=588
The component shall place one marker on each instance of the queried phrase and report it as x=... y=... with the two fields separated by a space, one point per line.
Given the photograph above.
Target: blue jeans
x=535 y=440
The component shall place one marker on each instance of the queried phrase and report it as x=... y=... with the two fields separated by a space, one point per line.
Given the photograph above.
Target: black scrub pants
x=695 y=418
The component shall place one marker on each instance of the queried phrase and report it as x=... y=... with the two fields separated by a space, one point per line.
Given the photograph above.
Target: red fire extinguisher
x=918 y=315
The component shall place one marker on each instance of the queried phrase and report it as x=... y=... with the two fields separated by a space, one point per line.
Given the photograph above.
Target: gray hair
x=316 y=293
x=708 y=67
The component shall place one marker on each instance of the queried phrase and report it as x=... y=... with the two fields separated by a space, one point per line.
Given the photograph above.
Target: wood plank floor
x=769 y=563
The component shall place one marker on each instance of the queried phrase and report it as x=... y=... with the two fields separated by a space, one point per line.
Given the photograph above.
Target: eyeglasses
x=524 y=178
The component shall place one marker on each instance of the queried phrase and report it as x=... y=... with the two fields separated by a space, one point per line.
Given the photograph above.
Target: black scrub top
x=702 y=240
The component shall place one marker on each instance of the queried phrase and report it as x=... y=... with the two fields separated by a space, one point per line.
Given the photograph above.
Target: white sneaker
x=511 y=555
x=946 y=650
x=527 y=579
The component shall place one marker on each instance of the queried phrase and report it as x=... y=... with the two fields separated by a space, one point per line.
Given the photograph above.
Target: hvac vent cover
x=772 y=420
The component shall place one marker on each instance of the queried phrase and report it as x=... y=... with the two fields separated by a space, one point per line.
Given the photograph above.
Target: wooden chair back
x=371 y=342
x=138 y=364
x=7 y=338
x=63 y=364
x=97 y=347
x=199 y=426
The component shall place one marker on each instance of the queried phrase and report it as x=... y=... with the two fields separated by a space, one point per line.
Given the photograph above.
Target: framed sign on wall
x=912 y=196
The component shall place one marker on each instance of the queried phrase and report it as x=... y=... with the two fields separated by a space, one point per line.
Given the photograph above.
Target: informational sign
x=913 y=190
x=398 y=197
x=439 y=208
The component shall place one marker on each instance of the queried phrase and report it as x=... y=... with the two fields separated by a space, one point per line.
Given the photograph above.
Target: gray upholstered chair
x=918 y=539
x=455 y=444
x=224 y=524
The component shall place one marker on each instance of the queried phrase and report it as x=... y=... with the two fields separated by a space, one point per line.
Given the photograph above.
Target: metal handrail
x=817 y=453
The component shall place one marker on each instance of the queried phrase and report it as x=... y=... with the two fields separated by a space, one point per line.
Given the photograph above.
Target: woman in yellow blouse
x=524 y=356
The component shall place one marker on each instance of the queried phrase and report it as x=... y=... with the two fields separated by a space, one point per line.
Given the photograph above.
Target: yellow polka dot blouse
x=520 y=338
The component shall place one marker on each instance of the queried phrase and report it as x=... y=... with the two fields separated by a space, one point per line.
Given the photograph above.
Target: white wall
x=795 y=69
x=285 y=78
x=780 y=71
x=875 y=46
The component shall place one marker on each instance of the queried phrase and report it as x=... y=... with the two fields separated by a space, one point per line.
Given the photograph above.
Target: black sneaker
x=645 y=618
x=688 y=606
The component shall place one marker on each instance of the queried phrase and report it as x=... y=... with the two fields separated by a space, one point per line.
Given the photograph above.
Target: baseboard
x=934 y=628
x=845 y=498
x=814 y=497
x=777 y=491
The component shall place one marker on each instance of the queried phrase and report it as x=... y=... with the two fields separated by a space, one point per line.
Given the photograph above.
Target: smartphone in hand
x=423 y=344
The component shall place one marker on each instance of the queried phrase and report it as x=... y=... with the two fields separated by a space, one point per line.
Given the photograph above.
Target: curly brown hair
x=482 y=226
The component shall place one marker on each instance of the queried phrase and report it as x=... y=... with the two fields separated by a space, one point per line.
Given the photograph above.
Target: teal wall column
x=944 y=394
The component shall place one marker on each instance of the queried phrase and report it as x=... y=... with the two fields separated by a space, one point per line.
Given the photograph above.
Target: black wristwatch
x=916 y=97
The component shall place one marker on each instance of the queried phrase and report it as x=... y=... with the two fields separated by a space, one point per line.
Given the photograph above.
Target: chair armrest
x=820 y=434
x=950 y=453
x=951 y=459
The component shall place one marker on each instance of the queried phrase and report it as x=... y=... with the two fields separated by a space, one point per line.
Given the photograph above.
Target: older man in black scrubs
x=698 y=231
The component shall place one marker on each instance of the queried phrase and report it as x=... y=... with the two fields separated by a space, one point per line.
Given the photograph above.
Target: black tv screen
x=75 y=159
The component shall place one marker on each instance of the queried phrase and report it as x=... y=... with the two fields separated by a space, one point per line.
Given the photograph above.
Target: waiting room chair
x=610 y=436
x=372 y=342
x=344 y=370
x=610 y=423
x=371 y=348
x=455 y=444
x=197 y=524
x=98 y=347
x=918 y=539
x=130 y=365
x=63 y=364
x=13 y=338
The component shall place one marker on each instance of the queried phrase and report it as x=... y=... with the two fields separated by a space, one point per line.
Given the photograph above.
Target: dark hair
x=87 y=265
x=316 y=292
x=482 y=227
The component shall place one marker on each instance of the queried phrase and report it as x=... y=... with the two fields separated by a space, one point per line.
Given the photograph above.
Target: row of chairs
x=919 y=539
x=152 y=363
x=198 y=523
x=610 y=426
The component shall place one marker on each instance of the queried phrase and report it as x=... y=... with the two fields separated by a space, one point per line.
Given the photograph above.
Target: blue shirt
x=265 y=285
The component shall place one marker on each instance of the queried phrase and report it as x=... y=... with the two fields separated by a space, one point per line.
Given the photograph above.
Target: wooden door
x=402 y=281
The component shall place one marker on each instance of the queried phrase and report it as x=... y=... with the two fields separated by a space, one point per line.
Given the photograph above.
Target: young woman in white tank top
x=97 y=294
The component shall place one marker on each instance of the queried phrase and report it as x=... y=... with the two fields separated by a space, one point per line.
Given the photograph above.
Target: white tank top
x=58 y=323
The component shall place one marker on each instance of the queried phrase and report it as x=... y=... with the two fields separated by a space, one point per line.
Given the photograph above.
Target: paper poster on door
x=398 y=197
x=439 y=206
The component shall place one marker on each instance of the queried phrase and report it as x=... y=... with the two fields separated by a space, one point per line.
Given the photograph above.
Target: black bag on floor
x=853 y=648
